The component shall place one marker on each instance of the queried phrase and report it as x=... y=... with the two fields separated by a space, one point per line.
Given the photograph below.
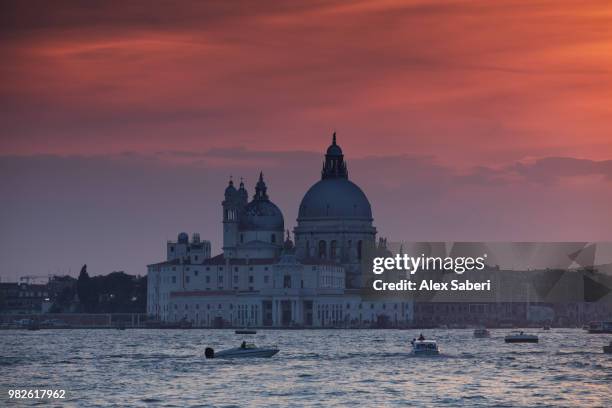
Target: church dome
x=335 y=198
x=262 y=215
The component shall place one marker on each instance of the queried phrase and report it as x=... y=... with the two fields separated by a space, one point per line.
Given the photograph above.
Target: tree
x=86 y=291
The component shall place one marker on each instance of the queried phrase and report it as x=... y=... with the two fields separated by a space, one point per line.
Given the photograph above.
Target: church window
x=235 y=278
x=235 y=269
x=266 y=278
x=307 y=248
x=359 y=249
x=322 y=249
x=174 y=279
x=207 y=279
x=195 y=273
x=273 y=238
x=186 y=279
x=287 y=281
x=242 y=238
x=251 y=279
x=333 y=249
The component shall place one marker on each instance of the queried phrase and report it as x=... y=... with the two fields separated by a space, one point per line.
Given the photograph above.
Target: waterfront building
x=263 y=278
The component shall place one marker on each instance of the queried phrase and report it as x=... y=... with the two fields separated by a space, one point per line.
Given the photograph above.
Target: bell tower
x=231 y=216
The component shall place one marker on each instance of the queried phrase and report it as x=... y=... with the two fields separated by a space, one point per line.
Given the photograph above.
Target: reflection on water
x=314 y=367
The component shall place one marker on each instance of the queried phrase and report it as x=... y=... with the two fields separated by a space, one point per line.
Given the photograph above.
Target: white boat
x=482 y=333
x=425 y=348
x=245 y=350
x=521 y=337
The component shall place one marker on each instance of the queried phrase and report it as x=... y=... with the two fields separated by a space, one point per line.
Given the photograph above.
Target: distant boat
x=482 y=333
x=245 y=331
x=521 y=337
x=600 y=327
x=33 y=326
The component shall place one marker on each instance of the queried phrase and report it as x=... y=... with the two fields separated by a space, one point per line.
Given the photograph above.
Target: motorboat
x=521 y=337
x=608 y=349
x=245 y=331
x=245 y=350
x=482 y=333
x=425 y=348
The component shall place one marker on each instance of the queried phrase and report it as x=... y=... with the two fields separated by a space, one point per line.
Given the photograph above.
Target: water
x=314 y=368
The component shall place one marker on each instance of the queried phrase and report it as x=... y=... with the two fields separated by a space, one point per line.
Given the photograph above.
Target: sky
x=121 y=122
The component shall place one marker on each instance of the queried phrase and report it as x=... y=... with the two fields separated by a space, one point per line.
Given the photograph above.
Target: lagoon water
x=314 y=368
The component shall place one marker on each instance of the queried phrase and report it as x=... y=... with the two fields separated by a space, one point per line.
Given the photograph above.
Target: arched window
x=332 y=249
x=322 y=250
x=359 y=249
x=273 y=238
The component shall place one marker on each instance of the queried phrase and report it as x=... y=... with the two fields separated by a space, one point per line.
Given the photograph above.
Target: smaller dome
x=334 y=149
x=230 y=189
x=183 y=238
x=262 y=215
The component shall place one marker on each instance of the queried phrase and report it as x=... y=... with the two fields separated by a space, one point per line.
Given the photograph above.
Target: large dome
x=335 y=198
x=262 y=215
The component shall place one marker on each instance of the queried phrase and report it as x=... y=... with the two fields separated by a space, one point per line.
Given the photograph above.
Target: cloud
x=470 y=82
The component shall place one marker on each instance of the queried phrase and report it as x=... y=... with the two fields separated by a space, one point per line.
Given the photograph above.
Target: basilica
x=264 y=278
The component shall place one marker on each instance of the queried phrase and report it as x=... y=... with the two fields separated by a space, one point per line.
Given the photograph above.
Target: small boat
x=600 y=327
x=425 y=348
x=33 y=326
x=245 y=350
x=608 y=349
x=482 y=333
x=521 y=337
x=245 y=331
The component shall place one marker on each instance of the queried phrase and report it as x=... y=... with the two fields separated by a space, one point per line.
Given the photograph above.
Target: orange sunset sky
x=462 y=120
